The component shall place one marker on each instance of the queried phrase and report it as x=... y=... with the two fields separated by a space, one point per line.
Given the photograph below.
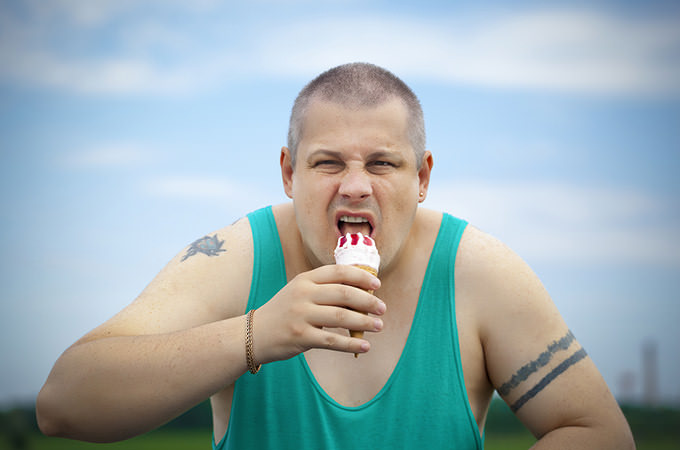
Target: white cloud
x=573 y=50
x=114 y=155
x=560 y=222
x=86 y=13
x=194 y=187
x=224 y=191
x=579 y=50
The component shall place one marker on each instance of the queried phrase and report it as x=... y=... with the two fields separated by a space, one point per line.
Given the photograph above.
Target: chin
x=319 y=253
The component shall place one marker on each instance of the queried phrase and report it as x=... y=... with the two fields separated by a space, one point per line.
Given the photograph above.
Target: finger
x=339 y=317
x=344 y=274
x=333 y=341
x=349 y=297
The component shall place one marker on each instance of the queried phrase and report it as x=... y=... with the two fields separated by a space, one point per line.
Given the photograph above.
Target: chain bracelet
x=250 y=358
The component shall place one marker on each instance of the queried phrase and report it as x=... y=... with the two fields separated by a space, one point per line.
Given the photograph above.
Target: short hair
x=358 y=85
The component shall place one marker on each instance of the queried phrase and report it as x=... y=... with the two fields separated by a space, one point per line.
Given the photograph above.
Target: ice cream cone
x=358 y=333
x=359 y=251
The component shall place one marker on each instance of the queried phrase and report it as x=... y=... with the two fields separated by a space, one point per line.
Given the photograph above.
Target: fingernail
x=377 y=324
x=382 y=307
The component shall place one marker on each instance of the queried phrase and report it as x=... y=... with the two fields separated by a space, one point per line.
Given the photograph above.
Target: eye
x=327 y=165
x=381 y=166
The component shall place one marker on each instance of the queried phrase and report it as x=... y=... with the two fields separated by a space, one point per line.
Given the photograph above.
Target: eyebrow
x=371 y=156
x=378 y=154
x=324 y=152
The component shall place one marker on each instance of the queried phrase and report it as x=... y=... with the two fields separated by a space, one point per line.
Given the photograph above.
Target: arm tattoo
x=208 y=245
x=543 y=359
x=532 y=367
x=557 y=371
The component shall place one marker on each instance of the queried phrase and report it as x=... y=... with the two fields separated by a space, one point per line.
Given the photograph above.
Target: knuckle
x=298 y=280
x=345 y=272
x=303 y=287
x=297 y=330
x=330 y=340
x=296 y=311
x=346 y=293
x=340 y=314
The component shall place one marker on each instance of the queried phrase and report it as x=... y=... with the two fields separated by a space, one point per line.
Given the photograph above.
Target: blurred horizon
x=129 y=129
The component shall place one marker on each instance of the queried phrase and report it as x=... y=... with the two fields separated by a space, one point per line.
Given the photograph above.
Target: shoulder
x=482 y=257
x=236 y=236
x=209 y=280
x=479 y=250
x=214 y=250
x=503 y=290
x=217 y=267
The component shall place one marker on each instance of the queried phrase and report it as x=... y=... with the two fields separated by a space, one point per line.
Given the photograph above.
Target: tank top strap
x=267 y=277
x=445 y=251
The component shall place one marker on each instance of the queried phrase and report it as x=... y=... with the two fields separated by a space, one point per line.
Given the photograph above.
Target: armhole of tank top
x=459 y=229
x=220 y=445
x=266 y=246
x=253 y=220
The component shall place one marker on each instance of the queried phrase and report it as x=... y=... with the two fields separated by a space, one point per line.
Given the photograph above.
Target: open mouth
x=354 y=224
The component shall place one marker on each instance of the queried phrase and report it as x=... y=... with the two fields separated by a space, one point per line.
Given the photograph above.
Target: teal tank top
x=423 y=404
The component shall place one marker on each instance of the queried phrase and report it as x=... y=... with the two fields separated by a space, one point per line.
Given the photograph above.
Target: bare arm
x=534 y=361
x=182 y=340
x=177 y=343
x=114 y=388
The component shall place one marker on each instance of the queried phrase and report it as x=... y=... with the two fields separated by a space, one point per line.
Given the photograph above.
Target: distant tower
x=627 y=387
x=650 y=374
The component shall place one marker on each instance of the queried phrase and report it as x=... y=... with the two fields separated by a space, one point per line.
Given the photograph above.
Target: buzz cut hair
x=358 y=85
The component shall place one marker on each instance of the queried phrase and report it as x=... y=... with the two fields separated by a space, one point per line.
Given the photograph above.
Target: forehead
x=329 y=123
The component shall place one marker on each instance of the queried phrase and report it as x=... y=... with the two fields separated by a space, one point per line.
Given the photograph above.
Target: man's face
x=355 y=171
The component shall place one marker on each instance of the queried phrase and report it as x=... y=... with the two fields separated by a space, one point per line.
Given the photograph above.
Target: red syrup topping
x=367 y=241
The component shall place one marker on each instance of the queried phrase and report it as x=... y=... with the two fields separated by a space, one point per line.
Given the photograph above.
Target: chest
x=352 y=381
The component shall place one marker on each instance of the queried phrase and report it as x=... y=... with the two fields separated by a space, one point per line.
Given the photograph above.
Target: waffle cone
x=358 y=333
x=368 y=269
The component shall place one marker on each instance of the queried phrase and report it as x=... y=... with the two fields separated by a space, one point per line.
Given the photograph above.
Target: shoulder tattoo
x=552 y=351
x=208 y=245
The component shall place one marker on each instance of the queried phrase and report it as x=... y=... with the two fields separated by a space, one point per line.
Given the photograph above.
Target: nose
x=355 y=185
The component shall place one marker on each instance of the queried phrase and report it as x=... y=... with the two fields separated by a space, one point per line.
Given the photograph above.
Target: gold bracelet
x=250 y=359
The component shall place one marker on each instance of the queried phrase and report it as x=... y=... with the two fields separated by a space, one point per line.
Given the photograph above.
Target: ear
x=424 y=175
x=287 y=171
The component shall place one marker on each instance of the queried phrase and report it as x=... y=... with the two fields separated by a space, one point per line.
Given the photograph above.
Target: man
x=455 y=314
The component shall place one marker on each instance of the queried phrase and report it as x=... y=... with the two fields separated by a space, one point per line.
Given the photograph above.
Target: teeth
x=352 y=219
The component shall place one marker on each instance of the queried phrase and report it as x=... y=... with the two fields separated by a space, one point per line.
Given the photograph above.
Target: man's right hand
x=332 y=296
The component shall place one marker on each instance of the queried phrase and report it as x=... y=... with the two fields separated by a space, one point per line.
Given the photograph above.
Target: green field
x=524 y=441
x=191 y=439
x=654 y=429
x=161 y=439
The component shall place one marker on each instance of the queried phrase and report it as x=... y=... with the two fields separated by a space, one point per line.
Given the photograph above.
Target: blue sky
x=128 y=129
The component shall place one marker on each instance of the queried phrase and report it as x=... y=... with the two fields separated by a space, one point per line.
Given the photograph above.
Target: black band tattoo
x=564 y=365
x=208 y=245
x=544 y=358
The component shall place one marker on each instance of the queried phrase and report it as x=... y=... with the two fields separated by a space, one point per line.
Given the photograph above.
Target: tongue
x=363 y=228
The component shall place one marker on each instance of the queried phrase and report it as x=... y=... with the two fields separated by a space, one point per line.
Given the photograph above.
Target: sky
x=129 y=129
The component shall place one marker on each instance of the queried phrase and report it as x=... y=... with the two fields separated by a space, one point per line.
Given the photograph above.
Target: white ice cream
x=357 y=249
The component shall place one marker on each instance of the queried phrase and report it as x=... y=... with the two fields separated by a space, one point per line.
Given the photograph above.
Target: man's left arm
x=538 y=367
